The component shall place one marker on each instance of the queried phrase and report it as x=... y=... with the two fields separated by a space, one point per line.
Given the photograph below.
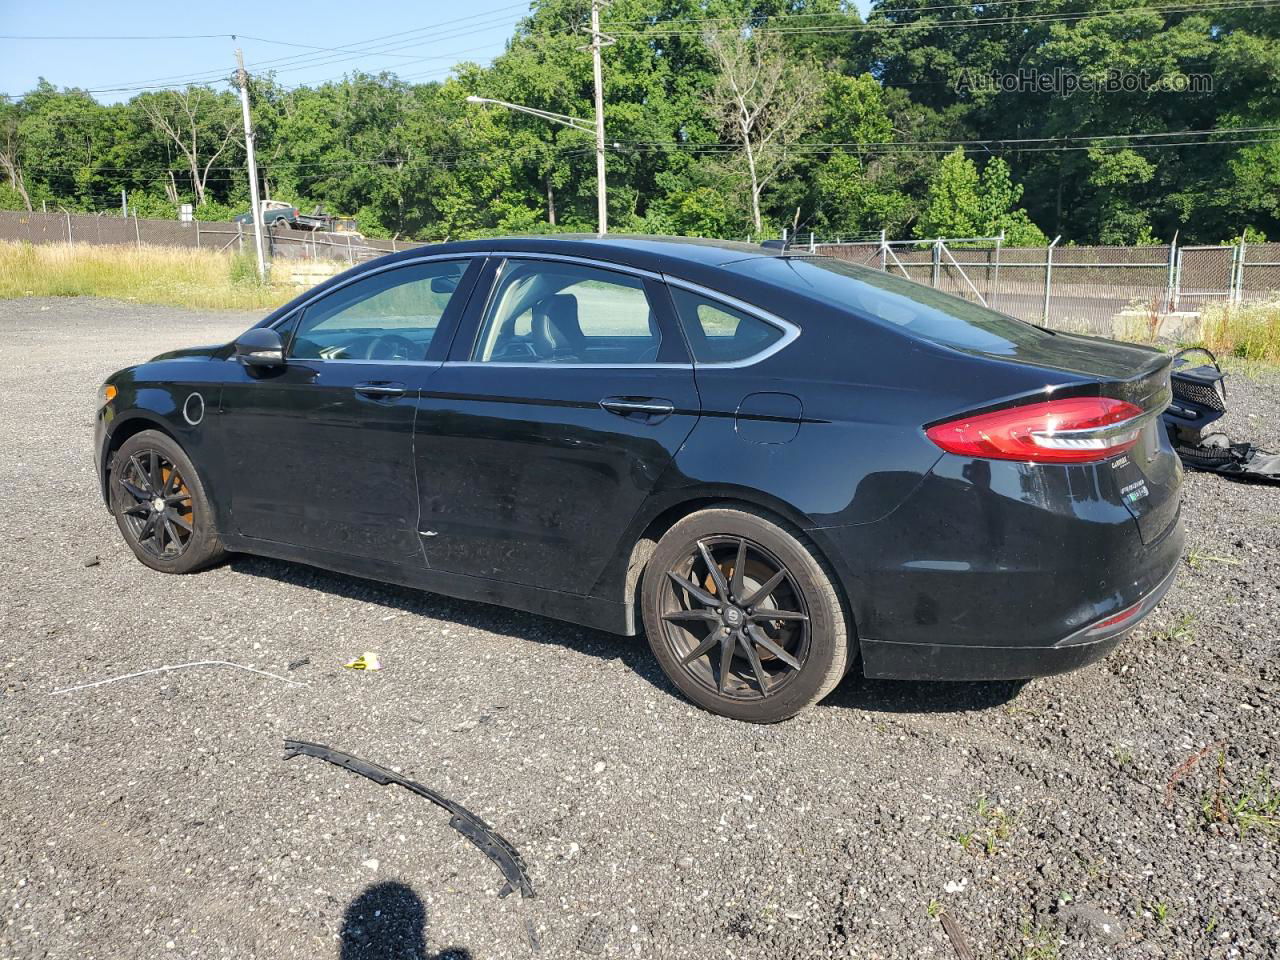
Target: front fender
x=179 y=398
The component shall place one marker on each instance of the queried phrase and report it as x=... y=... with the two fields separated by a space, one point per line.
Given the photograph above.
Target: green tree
x=1118 y=213
x=963 y=203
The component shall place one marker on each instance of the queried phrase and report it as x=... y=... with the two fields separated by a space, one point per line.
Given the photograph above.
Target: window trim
x=789 y=330
x=298 y=311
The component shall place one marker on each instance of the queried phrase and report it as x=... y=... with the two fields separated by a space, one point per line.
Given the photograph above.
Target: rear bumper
x=1005 y=570
x=884 y=659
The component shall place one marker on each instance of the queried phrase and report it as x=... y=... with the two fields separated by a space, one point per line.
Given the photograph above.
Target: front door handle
x=648 y=406
x=380 y=390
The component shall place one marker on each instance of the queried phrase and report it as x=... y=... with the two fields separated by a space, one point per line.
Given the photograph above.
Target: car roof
x=645 y=252
x=693 y=259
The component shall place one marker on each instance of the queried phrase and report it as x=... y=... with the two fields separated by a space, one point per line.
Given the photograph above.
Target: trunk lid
x=1148 y=477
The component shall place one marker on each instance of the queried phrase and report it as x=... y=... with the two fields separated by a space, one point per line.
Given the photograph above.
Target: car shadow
x=388 y=921
x=530 y=627
x=855 y=692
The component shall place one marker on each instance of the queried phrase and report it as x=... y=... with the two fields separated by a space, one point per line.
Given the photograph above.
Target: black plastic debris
x=1217 y=453
x=1200 y=399
x=491 y=843
x=1199 y=393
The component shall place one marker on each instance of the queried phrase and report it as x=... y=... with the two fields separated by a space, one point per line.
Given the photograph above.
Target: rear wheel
x=743 y=616
x=160 y=505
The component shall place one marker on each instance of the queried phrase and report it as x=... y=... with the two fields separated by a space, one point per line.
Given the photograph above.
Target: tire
x=761 y=685
x=150 y=467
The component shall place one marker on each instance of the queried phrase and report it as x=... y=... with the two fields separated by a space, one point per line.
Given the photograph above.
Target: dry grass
x=163 y=275
x=1249 y=331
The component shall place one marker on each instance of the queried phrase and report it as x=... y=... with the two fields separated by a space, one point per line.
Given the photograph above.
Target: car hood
x=191 y=353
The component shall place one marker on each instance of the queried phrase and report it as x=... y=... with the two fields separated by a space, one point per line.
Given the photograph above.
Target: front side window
x=720 y=334
x=545 y=312
x=390 y=315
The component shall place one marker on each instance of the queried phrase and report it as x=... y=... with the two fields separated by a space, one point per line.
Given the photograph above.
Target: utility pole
x=124 y=202
x=598 y=41
x=242 y=78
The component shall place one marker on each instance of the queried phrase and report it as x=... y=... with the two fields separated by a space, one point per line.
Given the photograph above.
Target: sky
x=418 y=39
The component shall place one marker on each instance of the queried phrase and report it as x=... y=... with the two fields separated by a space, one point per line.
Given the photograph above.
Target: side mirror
x=260 y=347
x=444 y=284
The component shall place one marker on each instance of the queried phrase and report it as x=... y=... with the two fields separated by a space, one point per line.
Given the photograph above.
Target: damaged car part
x=1199 y=399
x=491 y=843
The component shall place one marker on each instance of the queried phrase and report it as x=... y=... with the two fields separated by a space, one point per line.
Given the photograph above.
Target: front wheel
x=743 y=616
x=160 y=505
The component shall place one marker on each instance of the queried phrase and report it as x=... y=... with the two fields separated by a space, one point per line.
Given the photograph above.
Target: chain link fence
x=1080 y=288
x=282 y=241
x=1101 y=290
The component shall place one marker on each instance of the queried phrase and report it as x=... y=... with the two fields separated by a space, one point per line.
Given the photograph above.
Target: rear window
x=896 y=301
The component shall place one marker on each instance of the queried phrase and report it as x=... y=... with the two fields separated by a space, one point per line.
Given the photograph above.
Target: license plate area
x=1147 y=481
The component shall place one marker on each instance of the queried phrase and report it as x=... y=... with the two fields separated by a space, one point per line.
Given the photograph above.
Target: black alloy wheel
x=736 y=617
x=743 y=615
x=161 y=516
x=160 y=505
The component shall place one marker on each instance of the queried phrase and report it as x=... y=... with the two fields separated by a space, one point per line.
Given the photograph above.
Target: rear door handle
x=650 y=406
x=380 y=390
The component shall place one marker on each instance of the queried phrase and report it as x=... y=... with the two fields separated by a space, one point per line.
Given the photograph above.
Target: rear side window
x=720 y=334
x=898 y=302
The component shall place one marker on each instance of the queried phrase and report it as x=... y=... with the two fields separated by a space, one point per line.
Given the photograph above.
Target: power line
x=1031 y=144
x=113 y=39
x=910 y=150
x=1013 y=20
x=447 y=159
x=399 y=41
x=752 y=22
x=389 y=50
x=374 y=46
x=308 y=46
x=996 y=140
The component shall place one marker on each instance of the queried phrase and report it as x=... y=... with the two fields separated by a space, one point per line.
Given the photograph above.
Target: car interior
x=395 y=320
x=542 y=315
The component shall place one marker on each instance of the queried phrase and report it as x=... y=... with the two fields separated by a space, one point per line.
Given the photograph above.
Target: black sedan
x=779 y=465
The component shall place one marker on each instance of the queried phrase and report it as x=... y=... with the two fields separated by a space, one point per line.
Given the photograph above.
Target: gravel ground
x=154 y=817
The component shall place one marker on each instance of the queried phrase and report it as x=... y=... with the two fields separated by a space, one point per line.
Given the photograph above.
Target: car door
x=567 y=393
x=320 y=449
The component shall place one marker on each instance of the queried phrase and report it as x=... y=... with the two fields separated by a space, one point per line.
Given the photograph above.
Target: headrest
x=555 y=323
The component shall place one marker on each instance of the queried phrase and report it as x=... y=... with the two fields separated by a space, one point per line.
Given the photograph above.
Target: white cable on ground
x=180 y=666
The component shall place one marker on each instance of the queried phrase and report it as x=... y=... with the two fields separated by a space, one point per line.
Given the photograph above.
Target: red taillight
x=1070 y=430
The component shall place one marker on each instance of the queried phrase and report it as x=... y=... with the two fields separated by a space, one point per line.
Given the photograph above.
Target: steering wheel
x=392 y=346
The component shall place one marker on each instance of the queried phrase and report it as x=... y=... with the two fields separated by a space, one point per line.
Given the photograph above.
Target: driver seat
x=557 y=334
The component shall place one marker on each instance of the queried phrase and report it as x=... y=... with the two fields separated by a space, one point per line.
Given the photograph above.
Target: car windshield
x=920 y=310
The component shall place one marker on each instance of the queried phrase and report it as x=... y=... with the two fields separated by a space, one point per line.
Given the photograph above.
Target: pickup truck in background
x=277 y=211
